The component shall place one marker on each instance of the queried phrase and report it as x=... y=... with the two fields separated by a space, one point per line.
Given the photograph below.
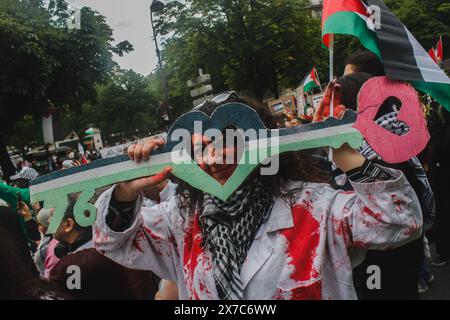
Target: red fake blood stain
x=307 y=202
x=371 y=198
x=376 y=216
x=360 y=244
x=173 y=242
x=100 y=237
x=303 y=240
x=157 y=240
x=371 y=223
x=340 y=229
x=192 y=251
x=96 y=233
x=412 y=229
x=137 y=241
x=312 y=292
x=398 y=203
x=158 y=221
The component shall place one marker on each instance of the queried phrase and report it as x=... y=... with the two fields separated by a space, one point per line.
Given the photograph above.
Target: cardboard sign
x=301 y=103
x=316 y=100
x=261 y=145
x=264 y=144
x=390 y=147
x=284 y=104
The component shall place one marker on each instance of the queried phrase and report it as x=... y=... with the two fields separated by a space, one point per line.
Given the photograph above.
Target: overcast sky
x=130 y=20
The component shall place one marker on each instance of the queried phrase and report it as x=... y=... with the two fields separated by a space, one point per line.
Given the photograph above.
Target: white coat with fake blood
x=306 y=249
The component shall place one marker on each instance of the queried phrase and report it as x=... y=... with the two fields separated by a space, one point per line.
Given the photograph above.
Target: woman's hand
x=347 y=158
x=130 y=190
x=323 y=111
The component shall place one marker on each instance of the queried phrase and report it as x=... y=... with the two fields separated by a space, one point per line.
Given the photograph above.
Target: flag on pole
x=84 y=160
x=432 y=54
x=437 y=54
x=402 y=55
x=311 y=81
x=440 y=50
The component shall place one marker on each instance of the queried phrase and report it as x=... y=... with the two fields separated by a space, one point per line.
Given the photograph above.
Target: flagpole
x=330 y=151
x=318 y=79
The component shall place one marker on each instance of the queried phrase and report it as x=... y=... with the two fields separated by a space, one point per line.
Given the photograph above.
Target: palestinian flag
x=311 y=81
x=437 y=54
x=402 y=56
x=432 y=54
x=440 y=50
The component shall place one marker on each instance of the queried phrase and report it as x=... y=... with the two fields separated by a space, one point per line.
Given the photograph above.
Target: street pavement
x=440 y=288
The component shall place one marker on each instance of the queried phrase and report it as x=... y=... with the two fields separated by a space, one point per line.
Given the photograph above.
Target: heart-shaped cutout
x=392 y=148
x=387 y=117
x=237 y=116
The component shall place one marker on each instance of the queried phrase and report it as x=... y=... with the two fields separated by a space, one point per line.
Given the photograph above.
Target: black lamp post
x=158 y=6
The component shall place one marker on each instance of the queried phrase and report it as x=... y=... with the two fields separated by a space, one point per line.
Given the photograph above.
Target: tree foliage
x=46 y=64
x=253 y=46
x=126 y=106
x=426 y=19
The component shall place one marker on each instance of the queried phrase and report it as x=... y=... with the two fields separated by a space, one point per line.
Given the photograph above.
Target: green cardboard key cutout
x=259 y=145
x=229 y=123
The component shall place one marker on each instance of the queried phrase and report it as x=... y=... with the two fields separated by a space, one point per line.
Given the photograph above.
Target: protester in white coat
x=299 y=243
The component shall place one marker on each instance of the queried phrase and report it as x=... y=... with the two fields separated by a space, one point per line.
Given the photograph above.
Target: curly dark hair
x=295 y=166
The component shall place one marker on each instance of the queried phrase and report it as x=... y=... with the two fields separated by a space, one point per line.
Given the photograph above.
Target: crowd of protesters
x=159 y=238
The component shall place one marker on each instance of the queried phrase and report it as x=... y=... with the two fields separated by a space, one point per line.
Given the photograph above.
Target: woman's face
x=214 y=161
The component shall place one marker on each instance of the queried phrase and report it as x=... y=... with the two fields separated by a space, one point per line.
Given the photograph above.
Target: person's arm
x=30 y=224
x=382 y=212
x=9 y=194
x=136 y=237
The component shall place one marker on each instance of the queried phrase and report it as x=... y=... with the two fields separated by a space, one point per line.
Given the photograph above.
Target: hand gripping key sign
x=261 y=146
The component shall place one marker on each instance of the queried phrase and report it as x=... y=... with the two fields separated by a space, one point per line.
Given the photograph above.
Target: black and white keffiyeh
x=229 y=229
x=390 y=122
x=26 y=173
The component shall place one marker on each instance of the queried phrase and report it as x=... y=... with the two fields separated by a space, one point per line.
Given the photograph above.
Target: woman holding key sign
x=284 y=236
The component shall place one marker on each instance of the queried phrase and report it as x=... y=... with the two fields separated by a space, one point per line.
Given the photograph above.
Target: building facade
x=316 y=8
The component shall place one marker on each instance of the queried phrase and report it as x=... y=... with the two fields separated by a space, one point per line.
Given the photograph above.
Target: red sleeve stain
x=369 y=223
x=371 y=198
x=158 y=221
x=340 y=229
x=376 y=216
x=303 y=240
x=157 y=240
x=346 y=210
x=137 y=241
x=160 y=243
x=173 y=242
x=411 y=229
x=96 y=233
x=360 y=244
x=398 y=203
x=100 y=237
